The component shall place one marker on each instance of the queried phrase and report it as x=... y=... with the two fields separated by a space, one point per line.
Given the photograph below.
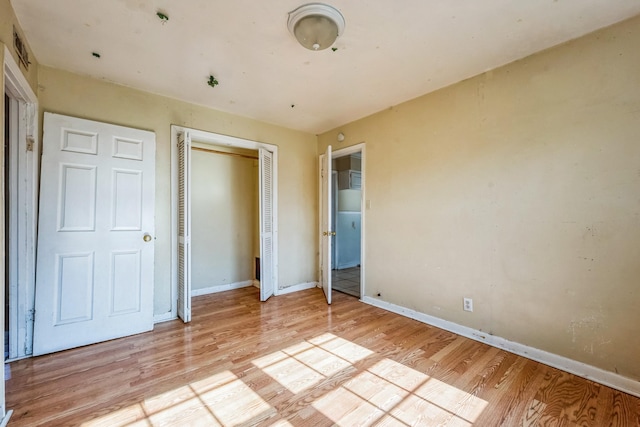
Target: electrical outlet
x=467 y=304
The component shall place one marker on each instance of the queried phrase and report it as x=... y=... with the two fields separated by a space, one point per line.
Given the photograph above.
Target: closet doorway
x=225 y=198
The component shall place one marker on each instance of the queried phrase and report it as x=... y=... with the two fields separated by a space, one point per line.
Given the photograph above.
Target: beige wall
x=519 y=188
x=223 y=217
x=8 y=21
x=71 y=94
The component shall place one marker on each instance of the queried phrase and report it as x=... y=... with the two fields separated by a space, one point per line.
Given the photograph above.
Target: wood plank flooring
x=294 y=361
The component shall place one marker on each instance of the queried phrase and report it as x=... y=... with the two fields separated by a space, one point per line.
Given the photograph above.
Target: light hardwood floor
x=294 y=361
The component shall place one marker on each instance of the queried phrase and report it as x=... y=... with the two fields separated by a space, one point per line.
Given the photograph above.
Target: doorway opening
x=341 y=220
x=225 y=224
x=346 y=212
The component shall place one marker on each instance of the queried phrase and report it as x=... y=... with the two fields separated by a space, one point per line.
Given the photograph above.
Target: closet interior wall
x=225 y=221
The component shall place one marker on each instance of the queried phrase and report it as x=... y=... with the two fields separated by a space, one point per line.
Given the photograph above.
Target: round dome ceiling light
x=316 y=26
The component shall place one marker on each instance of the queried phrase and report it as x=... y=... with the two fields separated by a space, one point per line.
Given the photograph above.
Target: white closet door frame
x=223 y=140
x=16 y=85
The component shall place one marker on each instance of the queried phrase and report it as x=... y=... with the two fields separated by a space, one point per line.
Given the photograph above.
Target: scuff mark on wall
x=588 y=332
x=576 y=327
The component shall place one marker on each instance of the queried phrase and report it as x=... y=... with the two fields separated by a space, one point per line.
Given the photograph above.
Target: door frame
x=352 y=149
x=221 y=140
x=24 y=203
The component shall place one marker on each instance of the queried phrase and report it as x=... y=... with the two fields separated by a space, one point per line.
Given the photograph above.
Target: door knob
x=146 y=238
x=333 y=233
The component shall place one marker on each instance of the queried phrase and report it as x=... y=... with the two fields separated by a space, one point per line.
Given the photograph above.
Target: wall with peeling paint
x=519 y=188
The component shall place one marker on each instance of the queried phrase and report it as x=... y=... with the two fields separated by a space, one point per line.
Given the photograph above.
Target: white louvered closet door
x=267 y=284
x=184 y=227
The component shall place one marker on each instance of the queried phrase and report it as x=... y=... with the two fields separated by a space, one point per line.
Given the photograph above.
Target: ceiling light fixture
x=315 y=25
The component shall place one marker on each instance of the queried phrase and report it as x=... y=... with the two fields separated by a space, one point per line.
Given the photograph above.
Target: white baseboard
x=165 y=317
x=296 y=288
x=221 y=288
x=580 y=369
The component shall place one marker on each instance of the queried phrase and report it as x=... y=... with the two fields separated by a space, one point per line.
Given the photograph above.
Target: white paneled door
x=96 y=233
x=325 y=223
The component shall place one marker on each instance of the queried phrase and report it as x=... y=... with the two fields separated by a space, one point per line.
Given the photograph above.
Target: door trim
x=228 y=141
x=22 y=300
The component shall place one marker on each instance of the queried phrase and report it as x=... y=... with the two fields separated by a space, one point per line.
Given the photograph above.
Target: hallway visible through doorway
x=341 y=177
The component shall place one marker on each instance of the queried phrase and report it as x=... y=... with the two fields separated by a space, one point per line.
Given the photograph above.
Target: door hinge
x=31 y=315
x=30 y=143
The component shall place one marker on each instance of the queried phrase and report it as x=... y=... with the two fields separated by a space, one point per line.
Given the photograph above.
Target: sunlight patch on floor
x=281 y=423
x=386 y=393
x=342 y=348
x=133 y=416
x=393 y=394
x=204 y=402
x=304 y=365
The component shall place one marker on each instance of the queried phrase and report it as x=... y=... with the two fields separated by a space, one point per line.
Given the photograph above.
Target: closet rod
x=211 y=150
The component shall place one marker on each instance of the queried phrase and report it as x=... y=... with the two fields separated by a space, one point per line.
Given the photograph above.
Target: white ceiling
x=390 y=52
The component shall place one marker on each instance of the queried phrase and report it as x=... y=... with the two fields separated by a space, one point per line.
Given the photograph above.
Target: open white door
x=325 y=223
x=95 y=245
x=184 y=226
x=267 y=284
